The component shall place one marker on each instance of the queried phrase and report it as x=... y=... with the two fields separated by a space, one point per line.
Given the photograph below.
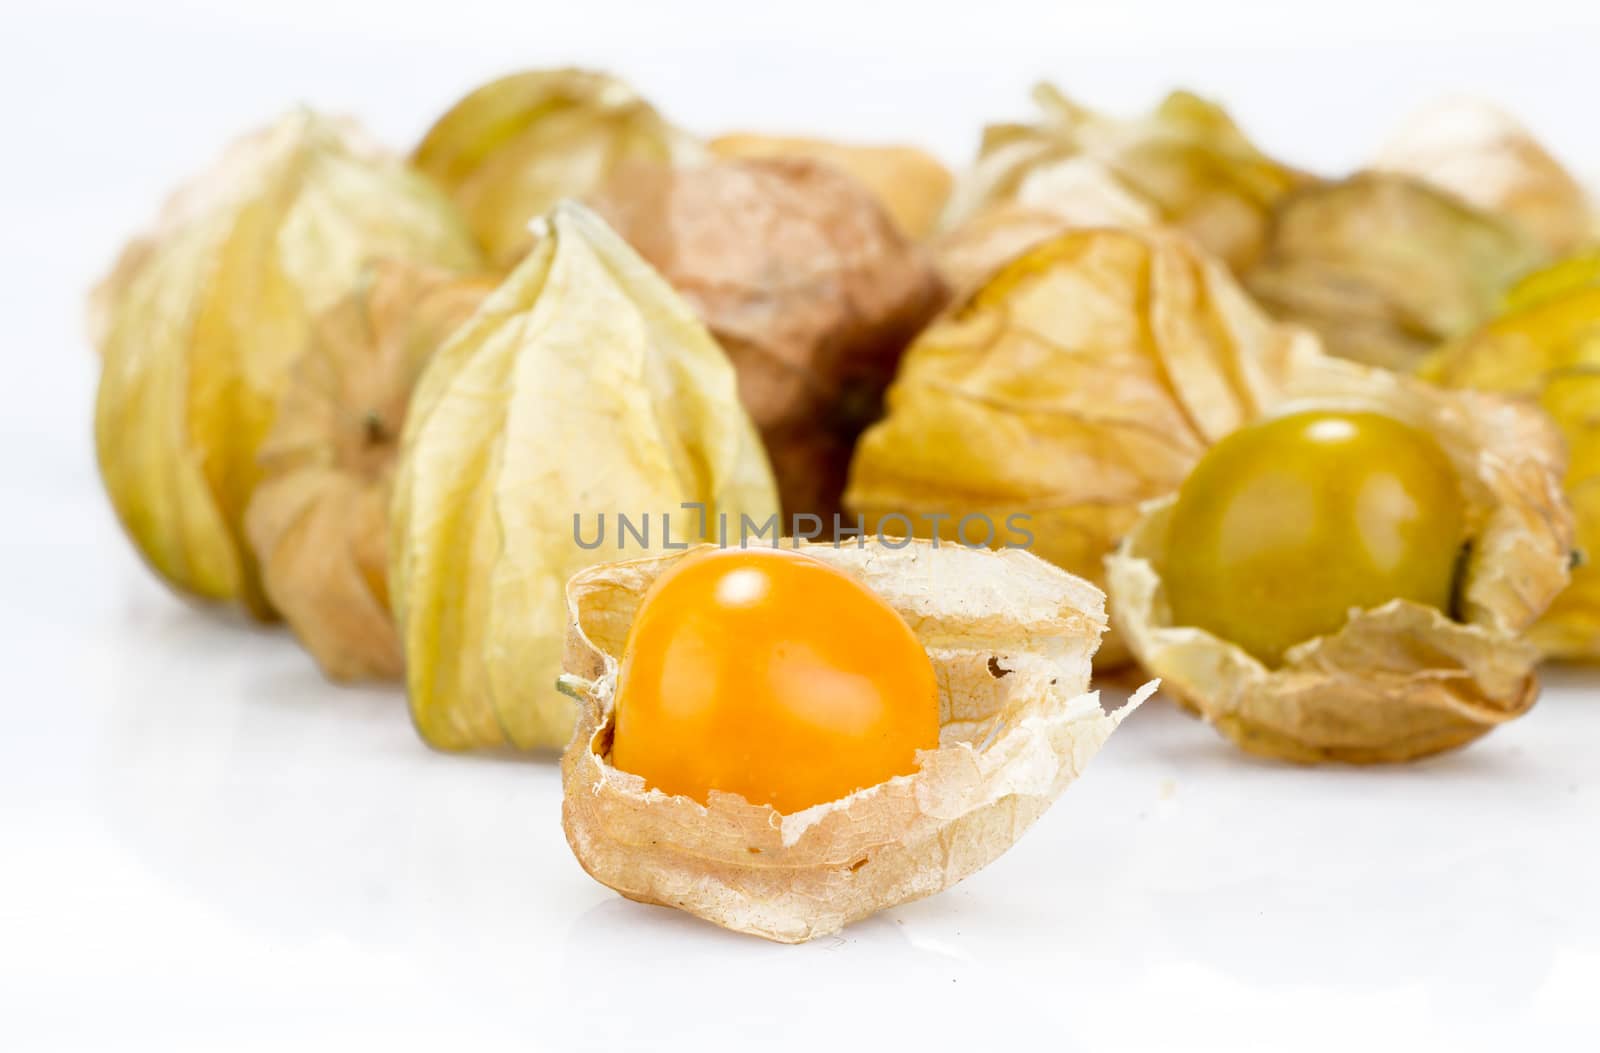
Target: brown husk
x=318 y=520
x=1385 y=267
x=1403 y=680
x=1011 y=639
x=912 y=185
x=1085 y=378
x=804 y=281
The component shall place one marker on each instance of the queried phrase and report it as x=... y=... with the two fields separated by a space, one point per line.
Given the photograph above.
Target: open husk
x=1485 y=156
x=1010 y=638
x=582 y=390
x=1403 y=680
x=804 y=281
x=318 y=521
x=912 y=185
x=1086 y=377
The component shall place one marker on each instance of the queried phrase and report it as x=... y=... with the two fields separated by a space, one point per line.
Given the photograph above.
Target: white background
x=203 y=846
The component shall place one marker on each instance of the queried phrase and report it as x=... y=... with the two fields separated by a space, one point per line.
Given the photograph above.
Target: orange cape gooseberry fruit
x=770 y=674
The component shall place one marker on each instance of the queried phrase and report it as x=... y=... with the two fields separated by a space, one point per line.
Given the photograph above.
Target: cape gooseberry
x=773 y=675
x=1288 y=525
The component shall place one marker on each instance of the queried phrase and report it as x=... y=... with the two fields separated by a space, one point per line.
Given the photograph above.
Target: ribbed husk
x=1010 y=638
x=1083 y=379
x=200 y=321
x=318 y=522
x=583 y=387
x=806 y=284
x=511 y=148
x=1546 y=347
x=912 y=185
x=1486 y=157
x=1403 y=680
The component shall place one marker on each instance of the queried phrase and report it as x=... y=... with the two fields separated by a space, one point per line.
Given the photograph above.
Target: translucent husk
x=511 y=148
x=1484 y=156
x=318 y=522
x=1187 y=163
x=806 y=284
x=1403 y=680
x=1011 y=640
x=584 y=386
x=199 y=322
x=1385 y=267
x=1083 y=379
x=912 y=185
x=1546 y=347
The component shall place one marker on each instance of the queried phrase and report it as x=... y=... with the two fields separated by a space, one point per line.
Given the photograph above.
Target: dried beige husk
x=200 y=320
x=1085 y=378
x=1546 y=347
x=1011 y=640
x=318 y=521
x=584 y=386
x=912 y=185
x=1484 y=156
x=511 y=148
x=804 y=281
x=1187 y=163
x=1385 y=267
x=1403 y=680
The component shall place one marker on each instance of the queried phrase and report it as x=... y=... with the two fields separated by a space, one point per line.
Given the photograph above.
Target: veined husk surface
x=319 y=520
x=200 y=320
x=1011 y=640
x=1546 y=347
x=584 y=386
x=511 y=148
x=806 y=284
x=1185 y=165
x=1086 y=377
x=1403 y=680
x=912 y=184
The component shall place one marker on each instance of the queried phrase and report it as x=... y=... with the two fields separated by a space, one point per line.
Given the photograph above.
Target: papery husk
x=1546 y=348
x=804 y=281
x=1010 y=638
x=1402 y=680
x=1484 y=156
x=910 y=183
x=511 y=148
x=1385 y=268
x=970 y=254
x=583 y=387
x=318 y=521
x=199 y=322
x=1187 y=162
x=1085 y=378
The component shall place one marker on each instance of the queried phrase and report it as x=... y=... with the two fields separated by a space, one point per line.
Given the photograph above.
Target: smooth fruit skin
x=1286 y=526
x=770 y=674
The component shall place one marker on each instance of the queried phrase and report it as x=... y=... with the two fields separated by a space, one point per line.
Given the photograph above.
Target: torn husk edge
x=1402 y=680
x=1011 y=638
